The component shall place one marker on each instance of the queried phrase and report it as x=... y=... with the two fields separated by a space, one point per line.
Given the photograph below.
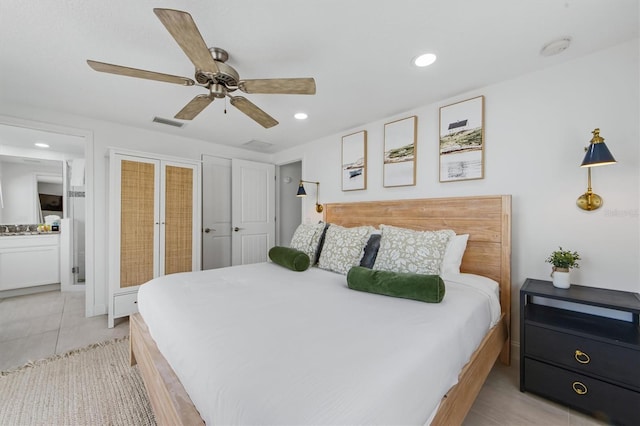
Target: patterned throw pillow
x=405 y=250
x=343 y=247
x=306 y=238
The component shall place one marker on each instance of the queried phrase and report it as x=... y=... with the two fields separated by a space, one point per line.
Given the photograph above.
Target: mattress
x=260 y=344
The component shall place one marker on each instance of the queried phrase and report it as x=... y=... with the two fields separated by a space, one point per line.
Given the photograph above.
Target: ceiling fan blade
x=293 y=86
x=185 y=32
x=194 y=107
x=255 y=113
x=135 y=72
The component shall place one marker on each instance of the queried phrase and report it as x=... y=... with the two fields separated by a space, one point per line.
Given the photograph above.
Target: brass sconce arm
x=303 y=193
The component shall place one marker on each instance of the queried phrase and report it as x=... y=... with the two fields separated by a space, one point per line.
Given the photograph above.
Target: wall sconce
x=302 y=193
x=597 y=155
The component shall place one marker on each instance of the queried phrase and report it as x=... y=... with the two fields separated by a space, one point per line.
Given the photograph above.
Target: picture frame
x=400 y=146
x=354 y=161
x=462 y=141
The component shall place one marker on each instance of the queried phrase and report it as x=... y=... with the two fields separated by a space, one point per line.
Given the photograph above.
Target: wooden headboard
x=487 y=220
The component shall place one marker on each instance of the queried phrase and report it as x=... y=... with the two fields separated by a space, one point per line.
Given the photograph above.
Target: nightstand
x=583 y=360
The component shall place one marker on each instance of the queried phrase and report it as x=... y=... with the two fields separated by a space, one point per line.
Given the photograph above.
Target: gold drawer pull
x=579 y=388
x=581 y=357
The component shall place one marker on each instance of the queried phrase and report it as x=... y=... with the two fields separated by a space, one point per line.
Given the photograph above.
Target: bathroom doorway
x=289 y=206
x=26 y=140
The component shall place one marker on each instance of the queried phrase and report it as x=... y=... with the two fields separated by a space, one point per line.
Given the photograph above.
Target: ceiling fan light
x=424 y=60
x=300 y=116
x=218 y=90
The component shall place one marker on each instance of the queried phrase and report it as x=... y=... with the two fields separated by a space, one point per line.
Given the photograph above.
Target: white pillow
x=406 y=250
x=307 y=238
x=343 y=247
x=453 y=254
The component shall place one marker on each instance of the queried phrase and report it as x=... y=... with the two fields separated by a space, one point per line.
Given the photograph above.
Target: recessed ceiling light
x=301 y=116
x=424 y=60
x=556 y=46
x=41 y=145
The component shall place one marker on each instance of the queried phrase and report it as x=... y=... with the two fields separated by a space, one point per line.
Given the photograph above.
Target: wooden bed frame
x=487 y=220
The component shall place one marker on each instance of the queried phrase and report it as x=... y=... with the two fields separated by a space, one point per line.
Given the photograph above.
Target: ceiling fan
x=211 y=72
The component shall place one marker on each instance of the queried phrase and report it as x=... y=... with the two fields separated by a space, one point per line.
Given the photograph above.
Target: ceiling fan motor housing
x=226 y=76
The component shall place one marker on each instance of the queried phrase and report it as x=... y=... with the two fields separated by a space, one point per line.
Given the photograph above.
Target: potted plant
x=563 y=261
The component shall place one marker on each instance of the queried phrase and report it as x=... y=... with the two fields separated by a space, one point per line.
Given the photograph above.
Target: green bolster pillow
x=289 y=258
x=426 y=288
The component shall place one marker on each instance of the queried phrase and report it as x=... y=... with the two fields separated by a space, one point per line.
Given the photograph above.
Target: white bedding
x=260 y=344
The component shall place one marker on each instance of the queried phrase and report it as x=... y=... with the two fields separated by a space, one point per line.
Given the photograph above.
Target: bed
x=486 y=219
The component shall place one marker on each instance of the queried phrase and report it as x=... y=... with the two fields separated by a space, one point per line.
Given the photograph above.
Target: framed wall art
x=399 y=168
x=354 y=161
x=462 y=140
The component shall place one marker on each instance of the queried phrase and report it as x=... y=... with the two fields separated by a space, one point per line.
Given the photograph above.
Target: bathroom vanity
x=29 y=259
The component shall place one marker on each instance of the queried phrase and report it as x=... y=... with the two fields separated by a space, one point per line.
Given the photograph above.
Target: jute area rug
x=89 y=386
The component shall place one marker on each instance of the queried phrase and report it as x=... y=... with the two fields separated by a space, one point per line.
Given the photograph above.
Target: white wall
x=104 y=135
x=50 y=188
x=536 y=128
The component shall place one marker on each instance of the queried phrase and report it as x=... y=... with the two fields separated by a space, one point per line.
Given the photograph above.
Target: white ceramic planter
x=561 y=279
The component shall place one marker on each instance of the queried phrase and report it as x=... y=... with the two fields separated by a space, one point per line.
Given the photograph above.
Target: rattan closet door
x=178 y=227
x=137 y=221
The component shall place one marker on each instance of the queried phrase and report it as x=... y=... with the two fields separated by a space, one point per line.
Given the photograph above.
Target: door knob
x=236 y=229
x=207 y=230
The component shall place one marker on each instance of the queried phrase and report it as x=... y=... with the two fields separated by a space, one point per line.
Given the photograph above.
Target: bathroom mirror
x=25 y=182
x=27 y=170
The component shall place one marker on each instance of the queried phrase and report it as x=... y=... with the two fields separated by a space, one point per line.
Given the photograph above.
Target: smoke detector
x=556 y=46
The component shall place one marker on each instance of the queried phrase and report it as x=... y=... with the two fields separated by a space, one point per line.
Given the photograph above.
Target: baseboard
x=98 y=310
x=29 y=290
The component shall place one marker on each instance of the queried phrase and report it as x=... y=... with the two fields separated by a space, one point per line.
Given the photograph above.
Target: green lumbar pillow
x=426 y=288
x=289 y=258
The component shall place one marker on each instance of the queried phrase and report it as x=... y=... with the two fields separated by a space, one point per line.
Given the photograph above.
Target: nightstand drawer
x=125 y=304
x=608 y=402
x=588 y=356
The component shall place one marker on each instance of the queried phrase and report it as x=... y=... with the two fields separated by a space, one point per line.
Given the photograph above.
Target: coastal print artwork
x=399 y=167
x=354 y=161
x=462 y=140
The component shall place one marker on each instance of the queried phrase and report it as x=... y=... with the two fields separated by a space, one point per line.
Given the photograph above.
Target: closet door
x=179 y=220
x=154 y=221
x=216 y=212
x=138 y=233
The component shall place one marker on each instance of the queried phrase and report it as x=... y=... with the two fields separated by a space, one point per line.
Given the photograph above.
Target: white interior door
x=252 y=211
x=216 y=212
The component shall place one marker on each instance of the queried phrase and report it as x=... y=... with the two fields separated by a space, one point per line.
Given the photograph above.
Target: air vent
x=255 y=145
x=167 y=122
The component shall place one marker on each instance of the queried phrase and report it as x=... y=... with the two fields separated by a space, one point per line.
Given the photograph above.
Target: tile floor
x=40 y=325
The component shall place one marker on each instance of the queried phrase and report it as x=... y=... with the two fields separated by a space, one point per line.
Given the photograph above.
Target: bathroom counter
x=26 y=234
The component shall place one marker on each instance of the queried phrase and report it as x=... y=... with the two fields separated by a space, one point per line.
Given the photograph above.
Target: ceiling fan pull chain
x=225 y=105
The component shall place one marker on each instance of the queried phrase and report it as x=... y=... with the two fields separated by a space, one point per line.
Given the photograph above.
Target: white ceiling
x=25 y=139
x=359 y=52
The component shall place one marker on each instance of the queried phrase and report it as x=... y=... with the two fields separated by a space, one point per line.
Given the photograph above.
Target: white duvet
x=260 y=344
